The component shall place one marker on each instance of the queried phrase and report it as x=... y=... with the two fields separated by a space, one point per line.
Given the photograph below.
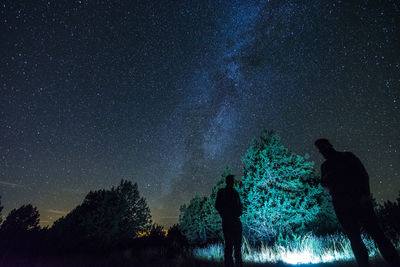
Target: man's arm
x=361 y=175
x=218 y=204
x=239 y=204
x=324 y=177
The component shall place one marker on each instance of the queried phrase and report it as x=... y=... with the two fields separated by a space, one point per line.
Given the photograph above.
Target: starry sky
x=167 y=93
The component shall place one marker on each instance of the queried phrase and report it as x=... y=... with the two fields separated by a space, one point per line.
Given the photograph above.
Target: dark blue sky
x=166 y=94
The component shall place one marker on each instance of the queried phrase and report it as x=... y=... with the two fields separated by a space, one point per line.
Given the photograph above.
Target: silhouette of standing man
x=229 y=207
x=345 y=177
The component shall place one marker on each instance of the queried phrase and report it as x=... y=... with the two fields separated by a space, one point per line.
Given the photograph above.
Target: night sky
x=167 y=93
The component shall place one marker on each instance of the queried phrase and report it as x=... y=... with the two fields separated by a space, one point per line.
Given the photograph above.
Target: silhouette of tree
x=389 y=218
x=1 y=215
x=156 y=235
x=374 y=202
x=398 y=200
x=280 y=192
x=175 y=238
x=21 y=220
x=106 y=217
x=20 y=230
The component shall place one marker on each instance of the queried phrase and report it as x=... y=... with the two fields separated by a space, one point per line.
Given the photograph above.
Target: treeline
x=280 y=192
x=107 y=220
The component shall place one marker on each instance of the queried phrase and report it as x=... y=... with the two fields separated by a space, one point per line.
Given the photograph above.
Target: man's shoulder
x=228 y=191
x=324 y=164
x=349 y=155
x=342 y=155
x=221 y=191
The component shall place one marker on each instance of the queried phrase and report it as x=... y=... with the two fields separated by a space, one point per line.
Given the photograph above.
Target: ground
x=124 y=259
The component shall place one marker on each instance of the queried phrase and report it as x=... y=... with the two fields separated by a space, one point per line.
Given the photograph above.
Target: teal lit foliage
x=280 y=193
x=106 y=217
x=199 y=221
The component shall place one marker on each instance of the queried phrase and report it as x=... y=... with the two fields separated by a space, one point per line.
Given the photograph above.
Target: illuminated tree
x=200 y=221
x=191 y=222
x=279 y=191
x=110 y=216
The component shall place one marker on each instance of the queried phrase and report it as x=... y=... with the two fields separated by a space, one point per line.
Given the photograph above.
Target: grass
x=309 y=249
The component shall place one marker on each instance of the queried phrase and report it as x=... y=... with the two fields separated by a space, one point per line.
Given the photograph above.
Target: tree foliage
x=1 y=215
x=176 y=239
x=107 y=217
x=21 y=220
x=279 y=191
x=200 y=221
x=20 y=231
x=389 y=217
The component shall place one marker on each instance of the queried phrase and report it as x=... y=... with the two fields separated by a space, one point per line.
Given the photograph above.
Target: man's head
x=324 y=147
x=230 y=180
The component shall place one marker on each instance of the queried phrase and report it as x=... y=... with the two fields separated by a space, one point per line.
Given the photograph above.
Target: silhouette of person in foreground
x=345 y=177
x=229 y=207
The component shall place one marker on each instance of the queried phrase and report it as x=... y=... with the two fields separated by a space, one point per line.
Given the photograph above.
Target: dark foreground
x=147 y=259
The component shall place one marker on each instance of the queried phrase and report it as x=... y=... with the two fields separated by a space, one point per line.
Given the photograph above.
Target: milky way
x=166 y=94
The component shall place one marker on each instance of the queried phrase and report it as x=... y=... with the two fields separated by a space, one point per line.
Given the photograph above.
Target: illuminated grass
x=309 y=249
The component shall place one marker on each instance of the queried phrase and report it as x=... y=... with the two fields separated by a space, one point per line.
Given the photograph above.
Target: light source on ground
x=309 y=249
